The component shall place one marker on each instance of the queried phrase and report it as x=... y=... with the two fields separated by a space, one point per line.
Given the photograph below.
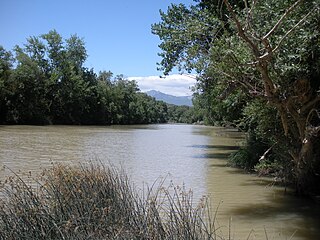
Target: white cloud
x=176 y=84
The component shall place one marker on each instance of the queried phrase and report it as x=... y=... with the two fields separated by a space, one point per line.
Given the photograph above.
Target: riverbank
x=98 y=202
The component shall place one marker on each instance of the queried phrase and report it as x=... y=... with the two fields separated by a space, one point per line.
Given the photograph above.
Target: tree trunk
x=304 y=168
x=295 y=108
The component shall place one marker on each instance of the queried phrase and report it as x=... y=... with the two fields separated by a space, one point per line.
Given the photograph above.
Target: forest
x=45 y=82
x=258 y=69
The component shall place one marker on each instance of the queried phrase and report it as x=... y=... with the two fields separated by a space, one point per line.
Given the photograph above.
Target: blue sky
x=117 y=34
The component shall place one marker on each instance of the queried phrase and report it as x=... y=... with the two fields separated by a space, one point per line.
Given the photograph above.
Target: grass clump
x=98 y=202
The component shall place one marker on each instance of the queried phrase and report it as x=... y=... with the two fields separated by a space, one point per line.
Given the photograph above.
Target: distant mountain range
x=180 y=101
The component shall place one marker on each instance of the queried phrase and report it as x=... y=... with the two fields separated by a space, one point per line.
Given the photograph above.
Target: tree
x=6 y=62
x=267 y=50
x=26 y=91
x=186 y=36
x=49 y=84
x=76 y=52
x=70 y=83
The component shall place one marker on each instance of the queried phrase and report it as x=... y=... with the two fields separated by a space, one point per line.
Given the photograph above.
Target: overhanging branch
x=291 y=30
x=277 y=25
x=241 y=32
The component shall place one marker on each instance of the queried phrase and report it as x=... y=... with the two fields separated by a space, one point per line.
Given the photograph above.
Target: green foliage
x=261 y=118
x=6 y=62
x=258 y=65
x=50 y=85
x=186 y=34
x=184 y=114
x=220 y=104
x=249 y=155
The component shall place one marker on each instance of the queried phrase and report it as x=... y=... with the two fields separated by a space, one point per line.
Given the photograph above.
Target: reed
x=98 y=202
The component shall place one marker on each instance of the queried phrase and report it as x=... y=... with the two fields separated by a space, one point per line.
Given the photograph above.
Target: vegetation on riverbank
x=98 y=202
x=45 y=82
x=258 y=69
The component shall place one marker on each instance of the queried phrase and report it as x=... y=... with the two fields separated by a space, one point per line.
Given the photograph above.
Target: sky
x=117 y=35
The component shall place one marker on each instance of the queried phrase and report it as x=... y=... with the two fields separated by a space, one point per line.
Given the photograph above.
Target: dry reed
x=98 y=202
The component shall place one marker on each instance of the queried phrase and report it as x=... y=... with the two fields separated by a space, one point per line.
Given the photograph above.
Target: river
x=189 y=155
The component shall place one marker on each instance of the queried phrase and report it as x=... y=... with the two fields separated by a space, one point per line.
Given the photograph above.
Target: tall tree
x=49 y=84
x=272 y=59
x=26 y=90
x=268 y=50
x=6 y=63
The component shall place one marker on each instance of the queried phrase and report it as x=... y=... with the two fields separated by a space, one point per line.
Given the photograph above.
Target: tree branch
x=277 y=25
x=263 y=157
x=262 y=65
x=247 y=12
x=241 y=32
x=310 y=104
x=313 y=111
x=284 y=119
x=291 y=30
x=298 y=119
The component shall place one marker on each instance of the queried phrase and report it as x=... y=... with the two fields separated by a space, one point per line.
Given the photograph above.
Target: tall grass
x=98 y=202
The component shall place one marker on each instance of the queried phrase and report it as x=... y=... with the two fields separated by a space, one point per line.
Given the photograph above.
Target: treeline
x=258 y=68
x=185 y=114
x=45 y=82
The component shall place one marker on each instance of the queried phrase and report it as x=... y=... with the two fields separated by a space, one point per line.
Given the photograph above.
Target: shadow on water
x=227 y=150
x=281 y=205
x=219 y=165
x=264 y=182
x=288 y=208
x=222 y=156
x=217 y=147
x=230 y=133
x=249 y=203
x=234 y=170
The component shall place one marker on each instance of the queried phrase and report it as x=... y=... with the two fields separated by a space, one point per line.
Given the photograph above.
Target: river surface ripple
x=189 y=155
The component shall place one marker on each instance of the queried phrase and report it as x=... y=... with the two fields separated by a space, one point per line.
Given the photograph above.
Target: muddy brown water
x=248 y=207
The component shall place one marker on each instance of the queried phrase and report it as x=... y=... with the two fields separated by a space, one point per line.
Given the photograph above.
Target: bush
x=248 y=156
x=97 y=202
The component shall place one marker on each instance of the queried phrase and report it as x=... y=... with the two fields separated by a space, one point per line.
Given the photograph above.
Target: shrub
x=97 y=202
x=248 y=156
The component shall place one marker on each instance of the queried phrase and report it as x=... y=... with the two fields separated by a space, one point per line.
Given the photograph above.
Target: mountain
x=180 y=101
